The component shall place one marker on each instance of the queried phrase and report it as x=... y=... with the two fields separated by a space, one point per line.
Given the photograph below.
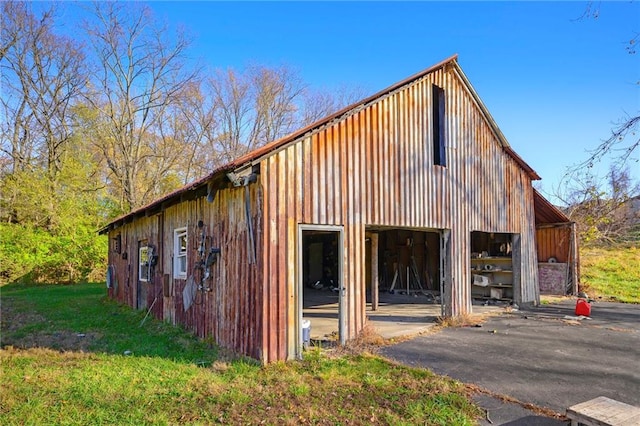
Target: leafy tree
x=93 y=131
x=48 y=185
x=53 y=237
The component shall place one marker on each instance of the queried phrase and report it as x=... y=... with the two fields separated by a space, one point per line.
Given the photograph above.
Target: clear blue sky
x=553 y=83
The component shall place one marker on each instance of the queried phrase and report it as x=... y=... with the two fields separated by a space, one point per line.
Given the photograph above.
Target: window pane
x=144 y=255
x=182 y=241
x=143 y=268
x=180 y=253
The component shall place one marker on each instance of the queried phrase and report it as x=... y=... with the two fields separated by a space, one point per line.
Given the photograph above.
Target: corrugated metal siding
x=554 y=242
x=375 y=167
x=547 y=213
x=126 y=262
x=560 y=241
x=231 y=313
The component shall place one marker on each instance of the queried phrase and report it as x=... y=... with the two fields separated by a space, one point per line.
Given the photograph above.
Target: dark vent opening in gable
x=439 y=125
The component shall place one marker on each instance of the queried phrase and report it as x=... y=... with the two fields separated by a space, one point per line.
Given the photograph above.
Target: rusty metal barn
x=412 y=195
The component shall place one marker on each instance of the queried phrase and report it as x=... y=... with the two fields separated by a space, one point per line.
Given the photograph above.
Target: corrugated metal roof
x=547 y=212
x=279 y=144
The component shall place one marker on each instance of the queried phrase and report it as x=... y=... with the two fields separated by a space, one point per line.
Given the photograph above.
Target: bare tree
x=42 y=77
x=603 y=208
x=275 y=93
x=253 y=108
x=261 y=104
x=139 y=75
x=624 y=139
x=622 y=143
x=192 y=124
x=317 y=104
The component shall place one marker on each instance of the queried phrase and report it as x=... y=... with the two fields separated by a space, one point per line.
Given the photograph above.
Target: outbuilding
x=413 y=190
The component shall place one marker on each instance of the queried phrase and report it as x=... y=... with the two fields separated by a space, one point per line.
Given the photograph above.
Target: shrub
x=31 y=254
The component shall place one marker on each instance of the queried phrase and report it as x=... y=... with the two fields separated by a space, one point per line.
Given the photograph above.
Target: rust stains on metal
x=546 y=212
x=229 y=307
x=375 y=168
x=449 y=65
x=370 y=165
x=554 y=242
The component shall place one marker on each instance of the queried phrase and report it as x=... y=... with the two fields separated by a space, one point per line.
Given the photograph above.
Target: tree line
x=103 y=122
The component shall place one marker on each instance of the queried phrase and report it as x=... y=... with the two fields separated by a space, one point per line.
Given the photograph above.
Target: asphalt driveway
x=540 y=355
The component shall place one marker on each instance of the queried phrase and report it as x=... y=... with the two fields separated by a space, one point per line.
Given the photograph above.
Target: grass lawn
x=612 y=274
x=63 y=362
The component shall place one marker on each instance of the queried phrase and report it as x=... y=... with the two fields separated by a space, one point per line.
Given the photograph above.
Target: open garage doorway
x=495 y=267
x=320 y=284
x=404 y=280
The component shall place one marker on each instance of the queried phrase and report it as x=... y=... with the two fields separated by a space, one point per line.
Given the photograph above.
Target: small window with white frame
x=143 y=264
x=180 y=253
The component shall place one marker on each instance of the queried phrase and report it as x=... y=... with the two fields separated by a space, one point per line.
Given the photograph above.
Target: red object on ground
x=583 y=308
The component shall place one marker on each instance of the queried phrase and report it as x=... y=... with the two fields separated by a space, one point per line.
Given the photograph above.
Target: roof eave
x=494 y=126
x=550 y=210
x=269 y=148
x=266 y=150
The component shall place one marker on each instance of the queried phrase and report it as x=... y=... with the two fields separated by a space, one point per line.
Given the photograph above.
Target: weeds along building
x=414 y=188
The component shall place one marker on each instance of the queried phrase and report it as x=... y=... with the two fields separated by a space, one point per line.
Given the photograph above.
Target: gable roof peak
x=250 y=158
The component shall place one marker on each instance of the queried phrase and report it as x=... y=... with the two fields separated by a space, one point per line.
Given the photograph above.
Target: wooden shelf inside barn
x=497 y=281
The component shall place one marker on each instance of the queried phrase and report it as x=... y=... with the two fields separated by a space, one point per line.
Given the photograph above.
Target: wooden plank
x=280 y=323
x=316 y=182
x=603 y=411
x=322 y=184
x=350 y=258
x=266 y=262
x=307 y=172
x=371 y=164
x=271 y=301
x=291 y=293
x=336 y=192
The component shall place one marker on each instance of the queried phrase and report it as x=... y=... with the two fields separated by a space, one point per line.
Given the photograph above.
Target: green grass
x=56 y=315
x=612 y=274
x=87 y=380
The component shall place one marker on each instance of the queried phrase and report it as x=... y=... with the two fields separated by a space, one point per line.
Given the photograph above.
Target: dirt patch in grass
x=18 y=330
x=165 y=382
x=58 y=340
x=13 y=319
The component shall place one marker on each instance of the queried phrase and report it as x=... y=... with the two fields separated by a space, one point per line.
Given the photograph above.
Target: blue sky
x=553 y=83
